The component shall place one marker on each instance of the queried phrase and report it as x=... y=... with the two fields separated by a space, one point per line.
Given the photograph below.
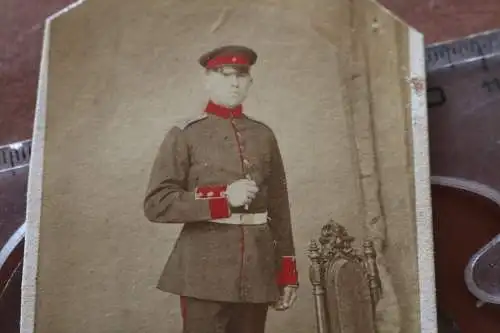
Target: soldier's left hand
x=287 y=298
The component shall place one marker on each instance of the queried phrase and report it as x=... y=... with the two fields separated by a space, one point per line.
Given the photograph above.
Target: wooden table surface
x=439 y=20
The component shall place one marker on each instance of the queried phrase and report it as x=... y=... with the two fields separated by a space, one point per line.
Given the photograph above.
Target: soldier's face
x=228 y=86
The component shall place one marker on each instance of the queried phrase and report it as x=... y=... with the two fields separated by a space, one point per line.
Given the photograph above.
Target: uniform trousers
x=205 y=316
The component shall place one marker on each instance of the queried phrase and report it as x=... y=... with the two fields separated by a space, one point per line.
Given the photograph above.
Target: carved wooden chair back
x=346 y=283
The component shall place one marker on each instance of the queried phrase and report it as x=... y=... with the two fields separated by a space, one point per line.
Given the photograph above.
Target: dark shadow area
x=12 y=202
x=10 y=291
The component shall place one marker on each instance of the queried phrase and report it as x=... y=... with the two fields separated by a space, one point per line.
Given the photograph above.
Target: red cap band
x=227 y=60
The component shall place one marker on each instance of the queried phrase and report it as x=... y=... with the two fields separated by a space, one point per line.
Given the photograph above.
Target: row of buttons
x=244 y=286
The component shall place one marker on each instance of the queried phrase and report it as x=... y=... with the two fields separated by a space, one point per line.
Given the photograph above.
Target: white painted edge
x=423 y=203
x=62 y=12
x=34 y=188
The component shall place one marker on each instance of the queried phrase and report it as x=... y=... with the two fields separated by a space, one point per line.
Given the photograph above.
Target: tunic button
x=244 y=292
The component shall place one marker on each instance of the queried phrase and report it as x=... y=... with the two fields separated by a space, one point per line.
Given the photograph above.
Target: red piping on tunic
x=183 y=308
x=242 y=240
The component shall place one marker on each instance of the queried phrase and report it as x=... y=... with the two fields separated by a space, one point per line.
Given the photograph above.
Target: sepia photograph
x=222 y=176
x=229 y=167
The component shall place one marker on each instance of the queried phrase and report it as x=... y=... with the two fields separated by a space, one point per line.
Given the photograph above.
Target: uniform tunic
x=213 y=260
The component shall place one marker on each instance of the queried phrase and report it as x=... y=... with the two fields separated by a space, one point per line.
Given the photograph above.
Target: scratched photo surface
x=138 y=162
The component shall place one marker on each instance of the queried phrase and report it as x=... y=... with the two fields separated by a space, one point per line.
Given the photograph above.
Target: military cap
x=235 y=55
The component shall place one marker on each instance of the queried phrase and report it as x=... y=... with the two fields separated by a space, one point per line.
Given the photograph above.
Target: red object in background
x=463 y=223
x=12 y=213
x=10 y=289
x=21 y=38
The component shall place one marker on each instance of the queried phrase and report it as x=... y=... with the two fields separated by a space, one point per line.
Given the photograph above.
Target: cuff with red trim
x=217 y=201
x=288 y=275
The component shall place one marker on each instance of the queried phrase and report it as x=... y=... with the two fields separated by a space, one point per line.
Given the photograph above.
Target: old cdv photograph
x=229 y=167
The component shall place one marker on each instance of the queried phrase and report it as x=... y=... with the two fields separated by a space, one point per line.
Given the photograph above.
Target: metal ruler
x=15 y=156
x=472 y=49
x=463 y=81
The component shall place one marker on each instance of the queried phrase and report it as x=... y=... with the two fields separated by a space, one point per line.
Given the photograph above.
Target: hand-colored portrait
x=217 y=167
x=221 y=175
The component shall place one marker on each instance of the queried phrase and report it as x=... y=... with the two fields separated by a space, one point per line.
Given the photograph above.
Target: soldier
x=222 y=176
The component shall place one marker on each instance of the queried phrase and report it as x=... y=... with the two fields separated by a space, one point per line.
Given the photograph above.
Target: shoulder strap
x=258 y=122
x=186 y=122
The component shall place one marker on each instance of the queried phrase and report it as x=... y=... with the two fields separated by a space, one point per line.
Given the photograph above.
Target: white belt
x=244 y=219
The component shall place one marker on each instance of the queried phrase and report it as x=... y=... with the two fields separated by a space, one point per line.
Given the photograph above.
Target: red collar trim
x=223 y=111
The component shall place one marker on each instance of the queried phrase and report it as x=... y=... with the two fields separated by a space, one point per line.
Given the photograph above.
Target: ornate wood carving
x=334 y=244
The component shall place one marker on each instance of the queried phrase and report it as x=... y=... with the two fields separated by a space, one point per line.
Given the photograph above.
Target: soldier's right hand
x=241 y=192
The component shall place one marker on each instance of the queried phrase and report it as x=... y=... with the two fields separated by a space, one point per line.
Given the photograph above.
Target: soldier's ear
x=250 y=81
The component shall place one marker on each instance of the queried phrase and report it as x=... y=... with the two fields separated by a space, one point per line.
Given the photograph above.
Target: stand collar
x=224 y=112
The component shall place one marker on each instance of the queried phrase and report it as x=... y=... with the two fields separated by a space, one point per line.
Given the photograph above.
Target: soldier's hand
x=288 y=297
x=241 y=192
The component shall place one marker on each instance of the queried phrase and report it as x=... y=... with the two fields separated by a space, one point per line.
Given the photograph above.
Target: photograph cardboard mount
x=339 y=84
